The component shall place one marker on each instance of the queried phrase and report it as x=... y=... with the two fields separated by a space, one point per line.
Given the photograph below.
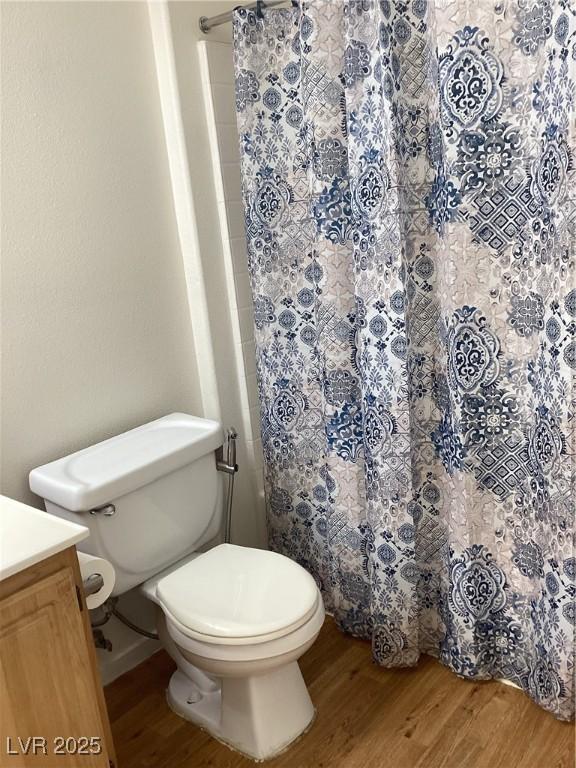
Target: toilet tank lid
x=103 y=472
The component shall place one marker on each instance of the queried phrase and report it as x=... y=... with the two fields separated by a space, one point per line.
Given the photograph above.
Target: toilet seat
x=257 y=649
x=234 y=595
x=218 y=640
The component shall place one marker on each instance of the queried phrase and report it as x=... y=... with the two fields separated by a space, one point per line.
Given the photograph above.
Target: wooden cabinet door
x=46 y=681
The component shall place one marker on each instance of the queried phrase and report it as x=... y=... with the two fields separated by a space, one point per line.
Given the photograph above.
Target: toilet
x=234 y=619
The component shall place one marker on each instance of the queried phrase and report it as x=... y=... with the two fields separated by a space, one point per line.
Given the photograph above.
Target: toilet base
x=259 y=716
x=186 y=700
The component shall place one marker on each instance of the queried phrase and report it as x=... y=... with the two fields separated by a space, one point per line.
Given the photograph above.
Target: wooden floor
x=368 y=717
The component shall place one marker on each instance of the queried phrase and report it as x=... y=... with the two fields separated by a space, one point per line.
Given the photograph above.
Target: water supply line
x=134 y=627
x=226 y=462
x=109 y=609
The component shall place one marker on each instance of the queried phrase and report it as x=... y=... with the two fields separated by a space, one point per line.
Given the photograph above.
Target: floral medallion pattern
x=409 y=181
x=471 y=79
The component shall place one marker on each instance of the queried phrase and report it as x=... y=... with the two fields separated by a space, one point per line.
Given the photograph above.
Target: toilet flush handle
x=106 y=509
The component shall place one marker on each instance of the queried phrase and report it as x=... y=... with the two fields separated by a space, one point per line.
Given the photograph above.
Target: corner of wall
x=184 y=204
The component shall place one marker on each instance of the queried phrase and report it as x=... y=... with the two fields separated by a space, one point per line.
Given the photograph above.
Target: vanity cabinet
x=52 y=709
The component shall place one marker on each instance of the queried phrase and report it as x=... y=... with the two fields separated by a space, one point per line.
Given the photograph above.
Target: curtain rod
x=207 y=22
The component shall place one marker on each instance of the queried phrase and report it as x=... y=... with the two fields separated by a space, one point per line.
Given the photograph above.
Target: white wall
x=96 y=333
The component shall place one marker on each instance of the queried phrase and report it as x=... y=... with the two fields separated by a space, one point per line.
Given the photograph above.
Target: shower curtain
x=409 y=187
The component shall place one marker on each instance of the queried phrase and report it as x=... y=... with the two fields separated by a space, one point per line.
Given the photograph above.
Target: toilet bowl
x=234 y=619
x=245 y=634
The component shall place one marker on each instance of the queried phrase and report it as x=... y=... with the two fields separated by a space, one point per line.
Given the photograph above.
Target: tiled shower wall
x=218 y=85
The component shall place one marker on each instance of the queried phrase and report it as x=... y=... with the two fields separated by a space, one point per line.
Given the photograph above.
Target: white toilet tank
x=149 y=496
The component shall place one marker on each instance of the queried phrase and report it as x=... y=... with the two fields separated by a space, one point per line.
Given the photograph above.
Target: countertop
x=29 y=535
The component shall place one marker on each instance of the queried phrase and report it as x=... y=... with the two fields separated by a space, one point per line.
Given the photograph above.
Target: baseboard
x=112 y=668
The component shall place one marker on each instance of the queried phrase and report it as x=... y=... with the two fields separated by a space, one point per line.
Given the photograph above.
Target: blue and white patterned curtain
x=409 y=185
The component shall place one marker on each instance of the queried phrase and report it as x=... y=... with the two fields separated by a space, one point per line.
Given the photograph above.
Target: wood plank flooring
x=368 y=717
